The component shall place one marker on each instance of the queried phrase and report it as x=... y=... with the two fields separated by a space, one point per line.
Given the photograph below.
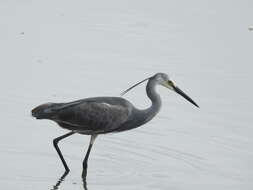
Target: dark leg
x=85 y=161
x=55 y=141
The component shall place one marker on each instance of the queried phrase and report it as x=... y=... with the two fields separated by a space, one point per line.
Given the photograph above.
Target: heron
x=101 y=115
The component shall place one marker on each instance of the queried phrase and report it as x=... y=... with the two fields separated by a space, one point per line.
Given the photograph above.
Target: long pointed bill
x=179 y=91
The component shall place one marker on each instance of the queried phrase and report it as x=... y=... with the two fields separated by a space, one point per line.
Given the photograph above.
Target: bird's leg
x=55 y=141
x=85 y=161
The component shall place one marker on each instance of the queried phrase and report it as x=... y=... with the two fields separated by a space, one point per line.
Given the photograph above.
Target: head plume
x=123 y=93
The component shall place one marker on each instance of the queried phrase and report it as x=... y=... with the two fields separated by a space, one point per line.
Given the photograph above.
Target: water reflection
x=85 y=184
x=84 y=175
x=62 y=178
x=58 y=183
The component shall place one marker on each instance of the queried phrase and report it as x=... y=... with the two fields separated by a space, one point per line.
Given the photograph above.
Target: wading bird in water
x=101 y=115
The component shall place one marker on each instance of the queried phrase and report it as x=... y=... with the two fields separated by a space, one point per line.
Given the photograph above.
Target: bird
x=101 y=115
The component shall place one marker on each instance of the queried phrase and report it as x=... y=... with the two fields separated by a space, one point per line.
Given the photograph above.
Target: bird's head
x=164 y=80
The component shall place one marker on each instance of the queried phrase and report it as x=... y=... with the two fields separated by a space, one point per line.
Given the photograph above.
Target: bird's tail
x=44 y=111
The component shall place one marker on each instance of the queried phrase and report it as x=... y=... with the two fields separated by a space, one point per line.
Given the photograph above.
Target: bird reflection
x=84 y=175
x=84 y=184
x=62 y=178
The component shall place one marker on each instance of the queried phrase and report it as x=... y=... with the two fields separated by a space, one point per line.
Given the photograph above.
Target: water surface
x=62 y=51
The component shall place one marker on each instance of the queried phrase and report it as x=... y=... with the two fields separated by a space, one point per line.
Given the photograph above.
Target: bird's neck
x=150 y=112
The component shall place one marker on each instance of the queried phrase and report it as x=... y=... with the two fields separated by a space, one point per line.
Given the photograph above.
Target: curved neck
x=152 y=94
x=147 y=114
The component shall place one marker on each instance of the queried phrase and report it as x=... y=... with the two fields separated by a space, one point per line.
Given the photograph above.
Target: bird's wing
x=92 y=116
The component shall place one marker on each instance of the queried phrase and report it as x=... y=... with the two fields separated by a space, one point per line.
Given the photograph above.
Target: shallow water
x=61 y=51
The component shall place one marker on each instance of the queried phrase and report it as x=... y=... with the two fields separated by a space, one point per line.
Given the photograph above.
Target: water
x=61 y=51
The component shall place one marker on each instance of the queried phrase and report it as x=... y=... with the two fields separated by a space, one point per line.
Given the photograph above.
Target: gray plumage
x=100 y=115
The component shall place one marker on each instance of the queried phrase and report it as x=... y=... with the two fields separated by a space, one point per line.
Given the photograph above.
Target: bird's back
x=87 y=116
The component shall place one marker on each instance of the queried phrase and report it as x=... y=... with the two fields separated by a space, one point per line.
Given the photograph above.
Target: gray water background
x=59 y=51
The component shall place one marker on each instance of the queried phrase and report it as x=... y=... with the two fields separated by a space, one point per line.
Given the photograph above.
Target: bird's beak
x=169 y=84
